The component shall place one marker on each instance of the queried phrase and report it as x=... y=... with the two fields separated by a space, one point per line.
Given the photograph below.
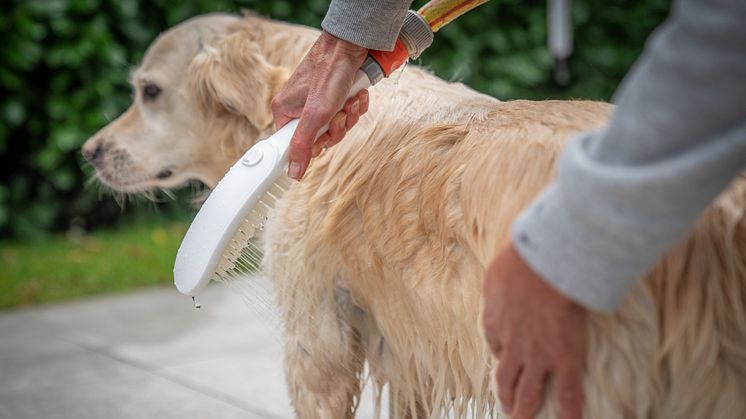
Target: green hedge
x=64 y=67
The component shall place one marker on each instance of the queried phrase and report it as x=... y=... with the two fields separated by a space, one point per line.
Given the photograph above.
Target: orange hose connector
x=391 y=60
x=438 y=13
x=435 y=14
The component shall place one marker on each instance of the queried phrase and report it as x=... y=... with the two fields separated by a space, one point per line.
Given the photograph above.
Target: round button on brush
x=253 y=157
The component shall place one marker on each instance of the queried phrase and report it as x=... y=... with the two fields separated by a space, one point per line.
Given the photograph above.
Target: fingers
x=352 y=111
x=337 y=127
x=508 y=373
x=535 y=332
x=300 y=150
x=282 y=112
x=301 y=145
x=288 y=103
x=320 y=144
x=364 y=100
x=569 y=389
x=530 y=392
x=312 y=120
x=323 y=80
x=335 y=133
x=355 y=107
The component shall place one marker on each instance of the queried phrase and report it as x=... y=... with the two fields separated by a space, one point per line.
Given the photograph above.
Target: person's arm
x=622 y=197
x=677 y=138
x=373 y=24
x=317 y=89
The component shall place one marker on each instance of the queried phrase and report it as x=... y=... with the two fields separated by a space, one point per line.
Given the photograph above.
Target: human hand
x=535 y=332
x=314 y=93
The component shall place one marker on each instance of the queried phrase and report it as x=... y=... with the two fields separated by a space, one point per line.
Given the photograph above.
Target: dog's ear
x=234 y=76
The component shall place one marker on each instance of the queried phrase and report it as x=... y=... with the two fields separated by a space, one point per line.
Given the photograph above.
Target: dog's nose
x=94 y=153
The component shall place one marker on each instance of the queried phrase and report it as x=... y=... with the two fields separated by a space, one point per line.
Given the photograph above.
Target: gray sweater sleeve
x=629 y=192
x=373 y=24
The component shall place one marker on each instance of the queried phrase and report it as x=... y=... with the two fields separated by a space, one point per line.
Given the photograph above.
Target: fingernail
x=355 y=108
x=294 y=170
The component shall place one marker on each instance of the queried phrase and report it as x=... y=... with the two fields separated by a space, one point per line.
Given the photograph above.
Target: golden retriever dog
x=378 y=254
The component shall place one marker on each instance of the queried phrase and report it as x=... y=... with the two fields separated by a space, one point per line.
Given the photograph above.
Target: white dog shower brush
x=217 y=242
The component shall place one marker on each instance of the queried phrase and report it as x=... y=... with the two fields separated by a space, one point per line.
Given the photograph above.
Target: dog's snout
x=93 y=153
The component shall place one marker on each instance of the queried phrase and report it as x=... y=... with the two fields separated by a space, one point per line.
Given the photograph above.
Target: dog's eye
x=150 y=92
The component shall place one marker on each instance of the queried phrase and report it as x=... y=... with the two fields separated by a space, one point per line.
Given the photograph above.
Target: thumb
x=281 y=120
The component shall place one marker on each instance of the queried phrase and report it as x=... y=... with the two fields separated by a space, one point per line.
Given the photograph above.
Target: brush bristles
x=241 y=255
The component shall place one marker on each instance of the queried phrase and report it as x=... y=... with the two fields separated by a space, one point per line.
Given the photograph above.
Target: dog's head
x=201 y=96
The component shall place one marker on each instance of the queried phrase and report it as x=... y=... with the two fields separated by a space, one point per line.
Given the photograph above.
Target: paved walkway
x=148 y=354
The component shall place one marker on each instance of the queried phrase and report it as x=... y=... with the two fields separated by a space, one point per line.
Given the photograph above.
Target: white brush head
x=233 y=213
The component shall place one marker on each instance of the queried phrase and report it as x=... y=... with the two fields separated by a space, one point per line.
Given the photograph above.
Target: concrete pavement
x=148 y=354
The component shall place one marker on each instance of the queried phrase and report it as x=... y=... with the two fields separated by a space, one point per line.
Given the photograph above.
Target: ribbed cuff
x=372 y=24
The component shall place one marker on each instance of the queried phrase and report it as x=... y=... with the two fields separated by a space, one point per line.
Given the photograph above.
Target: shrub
x=64 y=67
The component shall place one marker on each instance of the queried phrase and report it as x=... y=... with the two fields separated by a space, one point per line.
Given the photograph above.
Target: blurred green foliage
x=64 y=66
x=76 y=265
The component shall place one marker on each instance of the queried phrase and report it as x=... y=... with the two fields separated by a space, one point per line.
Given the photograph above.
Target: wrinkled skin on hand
x=315 y=93
x=536 y=333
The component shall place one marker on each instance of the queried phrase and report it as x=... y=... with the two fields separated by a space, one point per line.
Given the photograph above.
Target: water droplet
x=396 y=78
x=197 y=305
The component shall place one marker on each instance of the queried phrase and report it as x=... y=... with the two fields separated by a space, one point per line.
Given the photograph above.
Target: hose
x=438 y=13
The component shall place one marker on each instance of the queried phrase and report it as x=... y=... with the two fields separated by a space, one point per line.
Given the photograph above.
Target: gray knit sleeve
x=373 y=24
x=629 y=192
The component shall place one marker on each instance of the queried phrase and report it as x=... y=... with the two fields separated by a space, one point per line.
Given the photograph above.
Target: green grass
x=105 y=261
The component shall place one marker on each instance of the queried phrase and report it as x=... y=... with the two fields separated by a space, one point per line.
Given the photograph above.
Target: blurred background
x=63 y=75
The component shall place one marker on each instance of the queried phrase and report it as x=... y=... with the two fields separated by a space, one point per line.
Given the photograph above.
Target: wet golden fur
x=378 y=255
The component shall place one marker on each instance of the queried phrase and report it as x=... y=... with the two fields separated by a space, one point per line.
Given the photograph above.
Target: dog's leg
x=323 y=354
x=400 y=409
x=406 y=392
x=323 y=326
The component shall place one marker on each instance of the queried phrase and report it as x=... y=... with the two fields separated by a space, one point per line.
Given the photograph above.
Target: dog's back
x=398 y=222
